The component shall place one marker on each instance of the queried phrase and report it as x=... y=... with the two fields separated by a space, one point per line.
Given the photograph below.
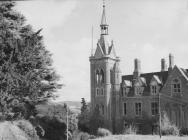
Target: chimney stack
x=163 y=65
x=137 y=68
x=171 y=62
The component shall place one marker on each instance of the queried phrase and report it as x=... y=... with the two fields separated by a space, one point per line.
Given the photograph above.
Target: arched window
x=101 y=79
x=97 y=92
x=111 y=76
x=97 y=76
x=102 y=109
x=97 y=108
x=102 y=92
x=176 y=86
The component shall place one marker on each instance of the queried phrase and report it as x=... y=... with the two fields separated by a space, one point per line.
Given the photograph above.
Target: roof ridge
x=148 y=73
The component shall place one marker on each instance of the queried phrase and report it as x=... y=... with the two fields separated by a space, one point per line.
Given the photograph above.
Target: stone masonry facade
x=137 y=98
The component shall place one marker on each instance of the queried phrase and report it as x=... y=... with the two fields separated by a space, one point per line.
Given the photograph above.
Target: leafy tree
x=26 y=74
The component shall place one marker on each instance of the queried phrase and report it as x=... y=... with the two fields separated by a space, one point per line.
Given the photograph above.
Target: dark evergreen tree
x=26 y=73
x=83 y=118
x=84 y=105
x=96 y=121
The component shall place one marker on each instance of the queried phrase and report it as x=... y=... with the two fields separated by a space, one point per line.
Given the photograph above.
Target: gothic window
x=154 y=108
x=97 y=91
x=123 y=92
x=111 y=76
x=176 y=86
x=138 y=109
x=102 y=108
x=97 y=107
x=101 y=77
x=102 y=92
x=124 y=108
x=97 y=76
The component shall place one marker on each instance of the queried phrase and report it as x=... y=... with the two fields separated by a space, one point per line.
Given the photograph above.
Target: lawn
x=142 y=137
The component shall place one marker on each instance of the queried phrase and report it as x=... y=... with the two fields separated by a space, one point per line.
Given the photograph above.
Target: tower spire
x=104 y=25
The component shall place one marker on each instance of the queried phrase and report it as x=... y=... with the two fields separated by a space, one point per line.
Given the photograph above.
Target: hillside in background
x=74 y=106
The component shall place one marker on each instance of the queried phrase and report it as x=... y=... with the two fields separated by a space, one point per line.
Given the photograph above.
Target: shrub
x=101 y=132
x=168 y=128
x=27 y=127
x=80 y=135
x=130 y=129
x=92 y=137
x=54 y=128
x=184 y=131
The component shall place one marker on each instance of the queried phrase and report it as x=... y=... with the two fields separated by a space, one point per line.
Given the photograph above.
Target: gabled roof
x=98 y=53
x=105 y=47
x=143 y=80
x=104 y=43
x=147 y=77
x=112 y=52
x=157 y=79
x=160 y=77
x=127 y=83
x=183 y=72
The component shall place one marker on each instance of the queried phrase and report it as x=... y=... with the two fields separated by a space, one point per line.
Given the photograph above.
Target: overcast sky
x=144 y=29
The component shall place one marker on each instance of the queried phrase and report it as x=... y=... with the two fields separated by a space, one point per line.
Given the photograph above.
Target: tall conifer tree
x=26 y=73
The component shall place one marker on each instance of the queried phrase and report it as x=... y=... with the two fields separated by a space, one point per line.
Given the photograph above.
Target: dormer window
x=138 y=90
x=155 y=84
x=125 y=91
x=153 y=89
x=126 y=86
x=176 y=86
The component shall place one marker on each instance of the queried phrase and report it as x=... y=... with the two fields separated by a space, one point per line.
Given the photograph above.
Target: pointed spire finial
x=103 y=21
x=103 y=3
x=92 y=42
x=104 y=25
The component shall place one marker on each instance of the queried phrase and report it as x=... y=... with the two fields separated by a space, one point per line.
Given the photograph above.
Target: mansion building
x=137 y=98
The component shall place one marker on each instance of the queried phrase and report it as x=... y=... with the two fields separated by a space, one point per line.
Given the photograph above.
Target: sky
x=144 y=29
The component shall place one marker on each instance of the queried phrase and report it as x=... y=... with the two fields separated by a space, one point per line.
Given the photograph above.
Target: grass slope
x=142 y=137
x=9 y=131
